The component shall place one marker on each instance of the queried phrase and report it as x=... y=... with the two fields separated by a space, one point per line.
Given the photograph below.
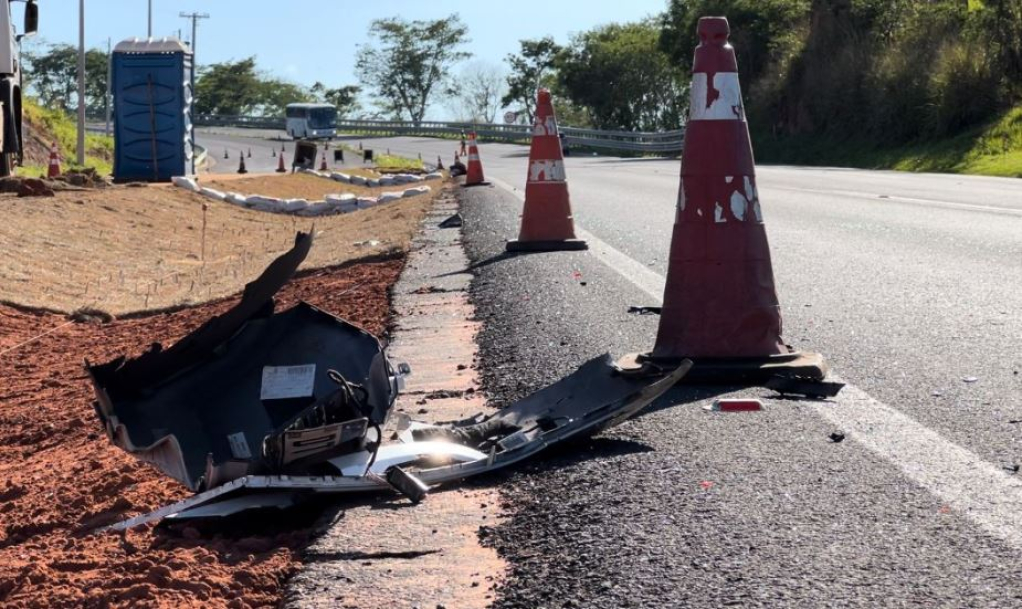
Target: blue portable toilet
x=152 y=93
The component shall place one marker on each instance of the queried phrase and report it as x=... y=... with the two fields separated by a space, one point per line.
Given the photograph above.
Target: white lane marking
x=927 y=202
x=983 y=493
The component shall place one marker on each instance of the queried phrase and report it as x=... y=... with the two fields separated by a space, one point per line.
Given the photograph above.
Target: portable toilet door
x=152 y=110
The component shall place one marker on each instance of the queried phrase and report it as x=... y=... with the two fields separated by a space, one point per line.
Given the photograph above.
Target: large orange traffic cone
x=280 y=163
x=546 y=218
x=474 y=177
x=54 y=168
x=720 y=306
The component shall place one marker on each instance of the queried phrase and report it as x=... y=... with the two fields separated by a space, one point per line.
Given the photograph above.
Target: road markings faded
x=911 y=200
x=980 y=491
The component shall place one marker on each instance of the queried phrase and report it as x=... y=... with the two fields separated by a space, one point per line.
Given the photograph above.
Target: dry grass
x=124 y=250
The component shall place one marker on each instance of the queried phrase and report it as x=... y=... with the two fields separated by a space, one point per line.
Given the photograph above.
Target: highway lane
x=909 y=283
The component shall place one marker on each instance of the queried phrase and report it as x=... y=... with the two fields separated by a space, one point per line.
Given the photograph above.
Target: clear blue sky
x=309 y=40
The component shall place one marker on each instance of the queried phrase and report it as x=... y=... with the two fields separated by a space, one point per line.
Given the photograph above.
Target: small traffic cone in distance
x=225 y=154
x=249 y=153
x=54 y=167
x=280 y=164
x=439 y=163
x=273 y=153
x=474 y=177
x=547 y=224
x=241 y=164
x=720 y=305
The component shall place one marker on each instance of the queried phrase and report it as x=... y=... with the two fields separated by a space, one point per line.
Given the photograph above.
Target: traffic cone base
x=729 y=370
x=547 y=223
x=560 y=245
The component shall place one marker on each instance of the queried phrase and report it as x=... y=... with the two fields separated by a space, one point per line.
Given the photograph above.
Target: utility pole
x=109 y=84
x=81 y=82
x=195 y=67
x=195 y=22
x=150 y=19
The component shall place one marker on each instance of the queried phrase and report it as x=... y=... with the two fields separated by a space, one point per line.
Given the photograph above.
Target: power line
x=195 y=22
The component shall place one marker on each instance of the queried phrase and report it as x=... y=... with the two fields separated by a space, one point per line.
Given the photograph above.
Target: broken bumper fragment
x=592 y=399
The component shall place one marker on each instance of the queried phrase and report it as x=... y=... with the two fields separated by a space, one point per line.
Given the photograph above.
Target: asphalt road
x=909 y=284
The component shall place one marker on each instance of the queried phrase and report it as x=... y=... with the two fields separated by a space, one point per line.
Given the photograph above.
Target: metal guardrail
x=661 y=142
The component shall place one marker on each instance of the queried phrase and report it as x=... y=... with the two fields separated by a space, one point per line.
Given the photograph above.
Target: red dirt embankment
x=60 y=477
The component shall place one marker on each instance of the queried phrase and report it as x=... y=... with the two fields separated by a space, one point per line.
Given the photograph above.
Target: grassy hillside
x=994 y=149
x=44 y=126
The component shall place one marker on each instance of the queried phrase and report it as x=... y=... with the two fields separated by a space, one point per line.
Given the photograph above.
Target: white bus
x=311 y=121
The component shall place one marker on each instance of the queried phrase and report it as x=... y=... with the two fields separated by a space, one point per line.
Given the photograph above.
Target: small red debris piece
x=735 y=405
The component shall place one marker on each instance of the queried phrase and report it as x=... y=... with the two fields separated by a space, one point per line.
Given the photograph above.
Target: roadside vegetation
x=53 y=125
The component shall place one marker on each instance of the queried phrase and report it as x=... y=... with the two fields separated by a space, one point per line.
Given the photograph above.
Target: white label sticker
x=281 y=382
x=239 y=446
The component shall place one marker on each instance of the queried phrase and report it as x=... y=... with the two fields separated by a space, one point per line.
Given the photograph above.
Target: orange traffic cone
x=439 y=164
x=474 y=177
x=54 y=168
x=280 y=163
x=546 y=218
x=241 y=164
x=720 y=306
x=322 y=165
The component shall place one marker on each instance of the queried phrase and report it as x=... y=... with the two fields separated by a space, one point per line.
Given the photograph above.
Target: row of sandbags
x=384 y=180
x=331 y=204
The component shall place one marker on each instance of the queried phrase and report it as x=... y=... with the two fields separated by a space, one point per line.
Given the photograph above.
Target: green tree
x=412 y=63
x=229 y=88
x=344 y=98
x=529 y=67
x=274 y=95
x=623 y=79
x=52 y=74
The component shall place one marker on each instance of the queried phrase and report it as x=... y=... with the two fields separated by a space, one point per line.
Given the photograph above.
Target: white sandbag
x=293 y=205
x=387 y=181
x=212 y=193
x=235 y=198
x=419 y=190
x=185 y=182
x=342 y=203
x=387 y=197
x=367 y=202
x=340 y=177
x=261 y=203
x=436 y=175
x=373 y=183
x=316 y=208
x=358 y=180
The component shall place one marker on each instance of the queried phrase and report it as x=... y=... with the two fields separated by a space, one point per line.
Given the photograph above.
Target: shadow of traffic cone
x=546 y=217
x=720 y=305
x=241 y=163
x=474 y=177
x=280 y=164
x=322 y=165
x=54 y=168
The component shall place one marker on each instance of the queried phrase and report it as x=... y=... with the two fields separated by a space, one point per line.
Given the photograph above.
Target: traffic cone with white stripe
x=720 y=305
x=474 y=177
x=54 y=169
x=547 y=224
